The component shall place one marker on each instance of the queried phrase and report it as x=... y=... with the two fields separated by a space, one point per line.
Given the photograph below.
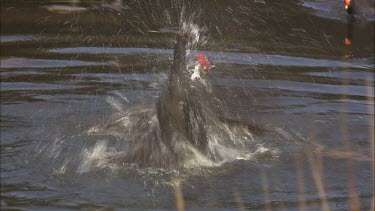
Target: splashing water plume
x=182 y=131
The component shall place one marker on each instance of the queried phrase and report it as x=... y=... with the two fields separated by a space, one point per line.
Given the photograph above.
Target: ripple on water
x=226 y=57
x=17 y=62
x=16 y=38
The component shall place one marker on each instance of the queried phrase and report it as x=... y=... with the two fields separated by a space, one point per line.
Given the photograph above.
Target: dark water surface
x=71 y=75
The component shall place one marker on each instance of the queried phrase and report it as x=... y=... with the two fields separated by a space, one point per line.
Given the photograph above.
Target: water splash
x=186 y=136
x=182 y=131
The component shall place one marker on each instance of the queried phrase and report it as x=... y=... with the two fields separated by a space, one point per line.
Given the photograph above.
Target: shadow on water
x=93 y=115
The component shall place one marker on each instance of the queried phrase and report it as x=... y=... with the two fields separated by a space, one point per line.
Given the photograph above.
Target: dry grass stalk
x=180 y=204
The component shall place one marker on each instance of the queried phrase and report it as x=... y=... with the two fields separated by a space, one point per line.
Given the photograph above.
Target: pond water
x=73 y=72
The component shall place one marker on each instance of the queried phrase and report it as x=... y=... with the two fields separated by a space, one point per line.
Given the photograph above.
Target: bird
x=360 y=7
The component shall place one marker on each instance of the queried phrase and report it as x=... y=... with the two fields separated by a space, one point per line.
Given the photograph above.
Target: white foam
x=93 y=158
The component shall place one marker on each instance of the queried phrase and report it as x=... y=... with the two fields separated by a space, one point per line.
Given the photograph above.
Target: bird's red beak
x=347 y=4
x=204 y=62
